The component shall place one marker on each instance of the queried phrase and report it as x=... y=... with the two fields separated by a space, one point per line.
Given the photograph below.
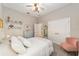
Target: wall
x=1 y=29
x=0 y=10
x=71 y=11
x=17 y=16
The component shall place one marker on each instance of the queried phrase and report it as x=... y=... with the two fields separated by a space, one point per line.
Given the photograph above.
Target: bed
x=40 y=47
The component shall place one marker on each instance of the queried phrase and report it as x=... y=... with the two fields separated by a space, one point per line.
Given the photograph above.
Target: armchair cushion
x=70 y=44
x=68 y=47
x=72 y=41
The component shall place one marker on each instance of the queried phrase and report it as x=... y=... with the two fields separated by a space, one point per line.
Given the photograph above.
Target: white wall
x=15 y=15
x=1 y=29
x=0 y=10
x=71 y=11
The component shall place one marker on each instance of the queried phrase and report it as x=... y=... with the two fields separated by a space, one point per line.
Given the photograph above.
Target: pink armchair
x=70 y=45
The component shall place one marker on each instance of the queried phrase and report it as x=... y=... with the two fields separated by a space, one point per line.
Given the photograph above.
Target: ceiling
x=45 y=8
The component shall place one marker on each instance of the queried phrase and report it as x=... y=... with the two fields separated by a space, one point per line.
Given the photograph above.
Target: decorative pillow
x=25 y=41
x=16 y=45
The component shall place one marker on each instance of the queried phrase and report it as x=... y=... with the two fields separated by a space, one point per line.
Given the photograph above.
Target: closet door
x=37 y=30
x=58 y=30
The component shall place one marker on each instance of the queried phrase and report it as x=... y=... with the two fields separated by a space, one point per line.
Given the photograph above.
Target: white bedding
x=40 y=47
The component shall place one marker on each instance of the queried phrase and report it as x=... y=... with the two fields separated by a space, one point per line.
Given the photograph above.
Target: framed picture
x=1 y=23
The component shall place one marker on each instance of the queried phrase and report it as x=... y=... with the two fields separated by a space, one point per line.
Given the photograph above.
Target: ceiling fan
x=35 y=7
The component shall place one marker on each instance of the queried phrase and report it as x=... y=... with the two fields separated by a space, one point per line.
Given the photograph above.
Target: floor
x=58 y=51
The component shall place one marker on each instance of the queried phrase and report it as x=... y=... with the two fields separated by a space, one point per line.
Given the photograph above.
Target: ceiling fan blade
x=28 y=5
x=42 y=8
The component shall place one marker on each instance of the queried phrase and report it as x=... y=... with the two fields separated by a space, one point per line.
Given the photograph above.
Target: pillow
x=25 y=41
x=16 y=45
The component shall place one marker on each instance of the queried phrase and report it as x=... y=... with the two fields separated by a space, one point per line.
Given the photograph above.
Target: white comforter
x=40 y=47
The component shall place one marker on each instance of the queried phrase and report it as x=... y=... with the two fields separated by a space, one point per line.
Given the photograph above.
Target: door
x=58 y=30
x=37 y=30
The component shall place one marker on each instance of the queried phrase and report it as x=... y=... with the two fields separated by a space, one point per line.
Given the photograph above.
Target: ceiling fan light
x=35 y=4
